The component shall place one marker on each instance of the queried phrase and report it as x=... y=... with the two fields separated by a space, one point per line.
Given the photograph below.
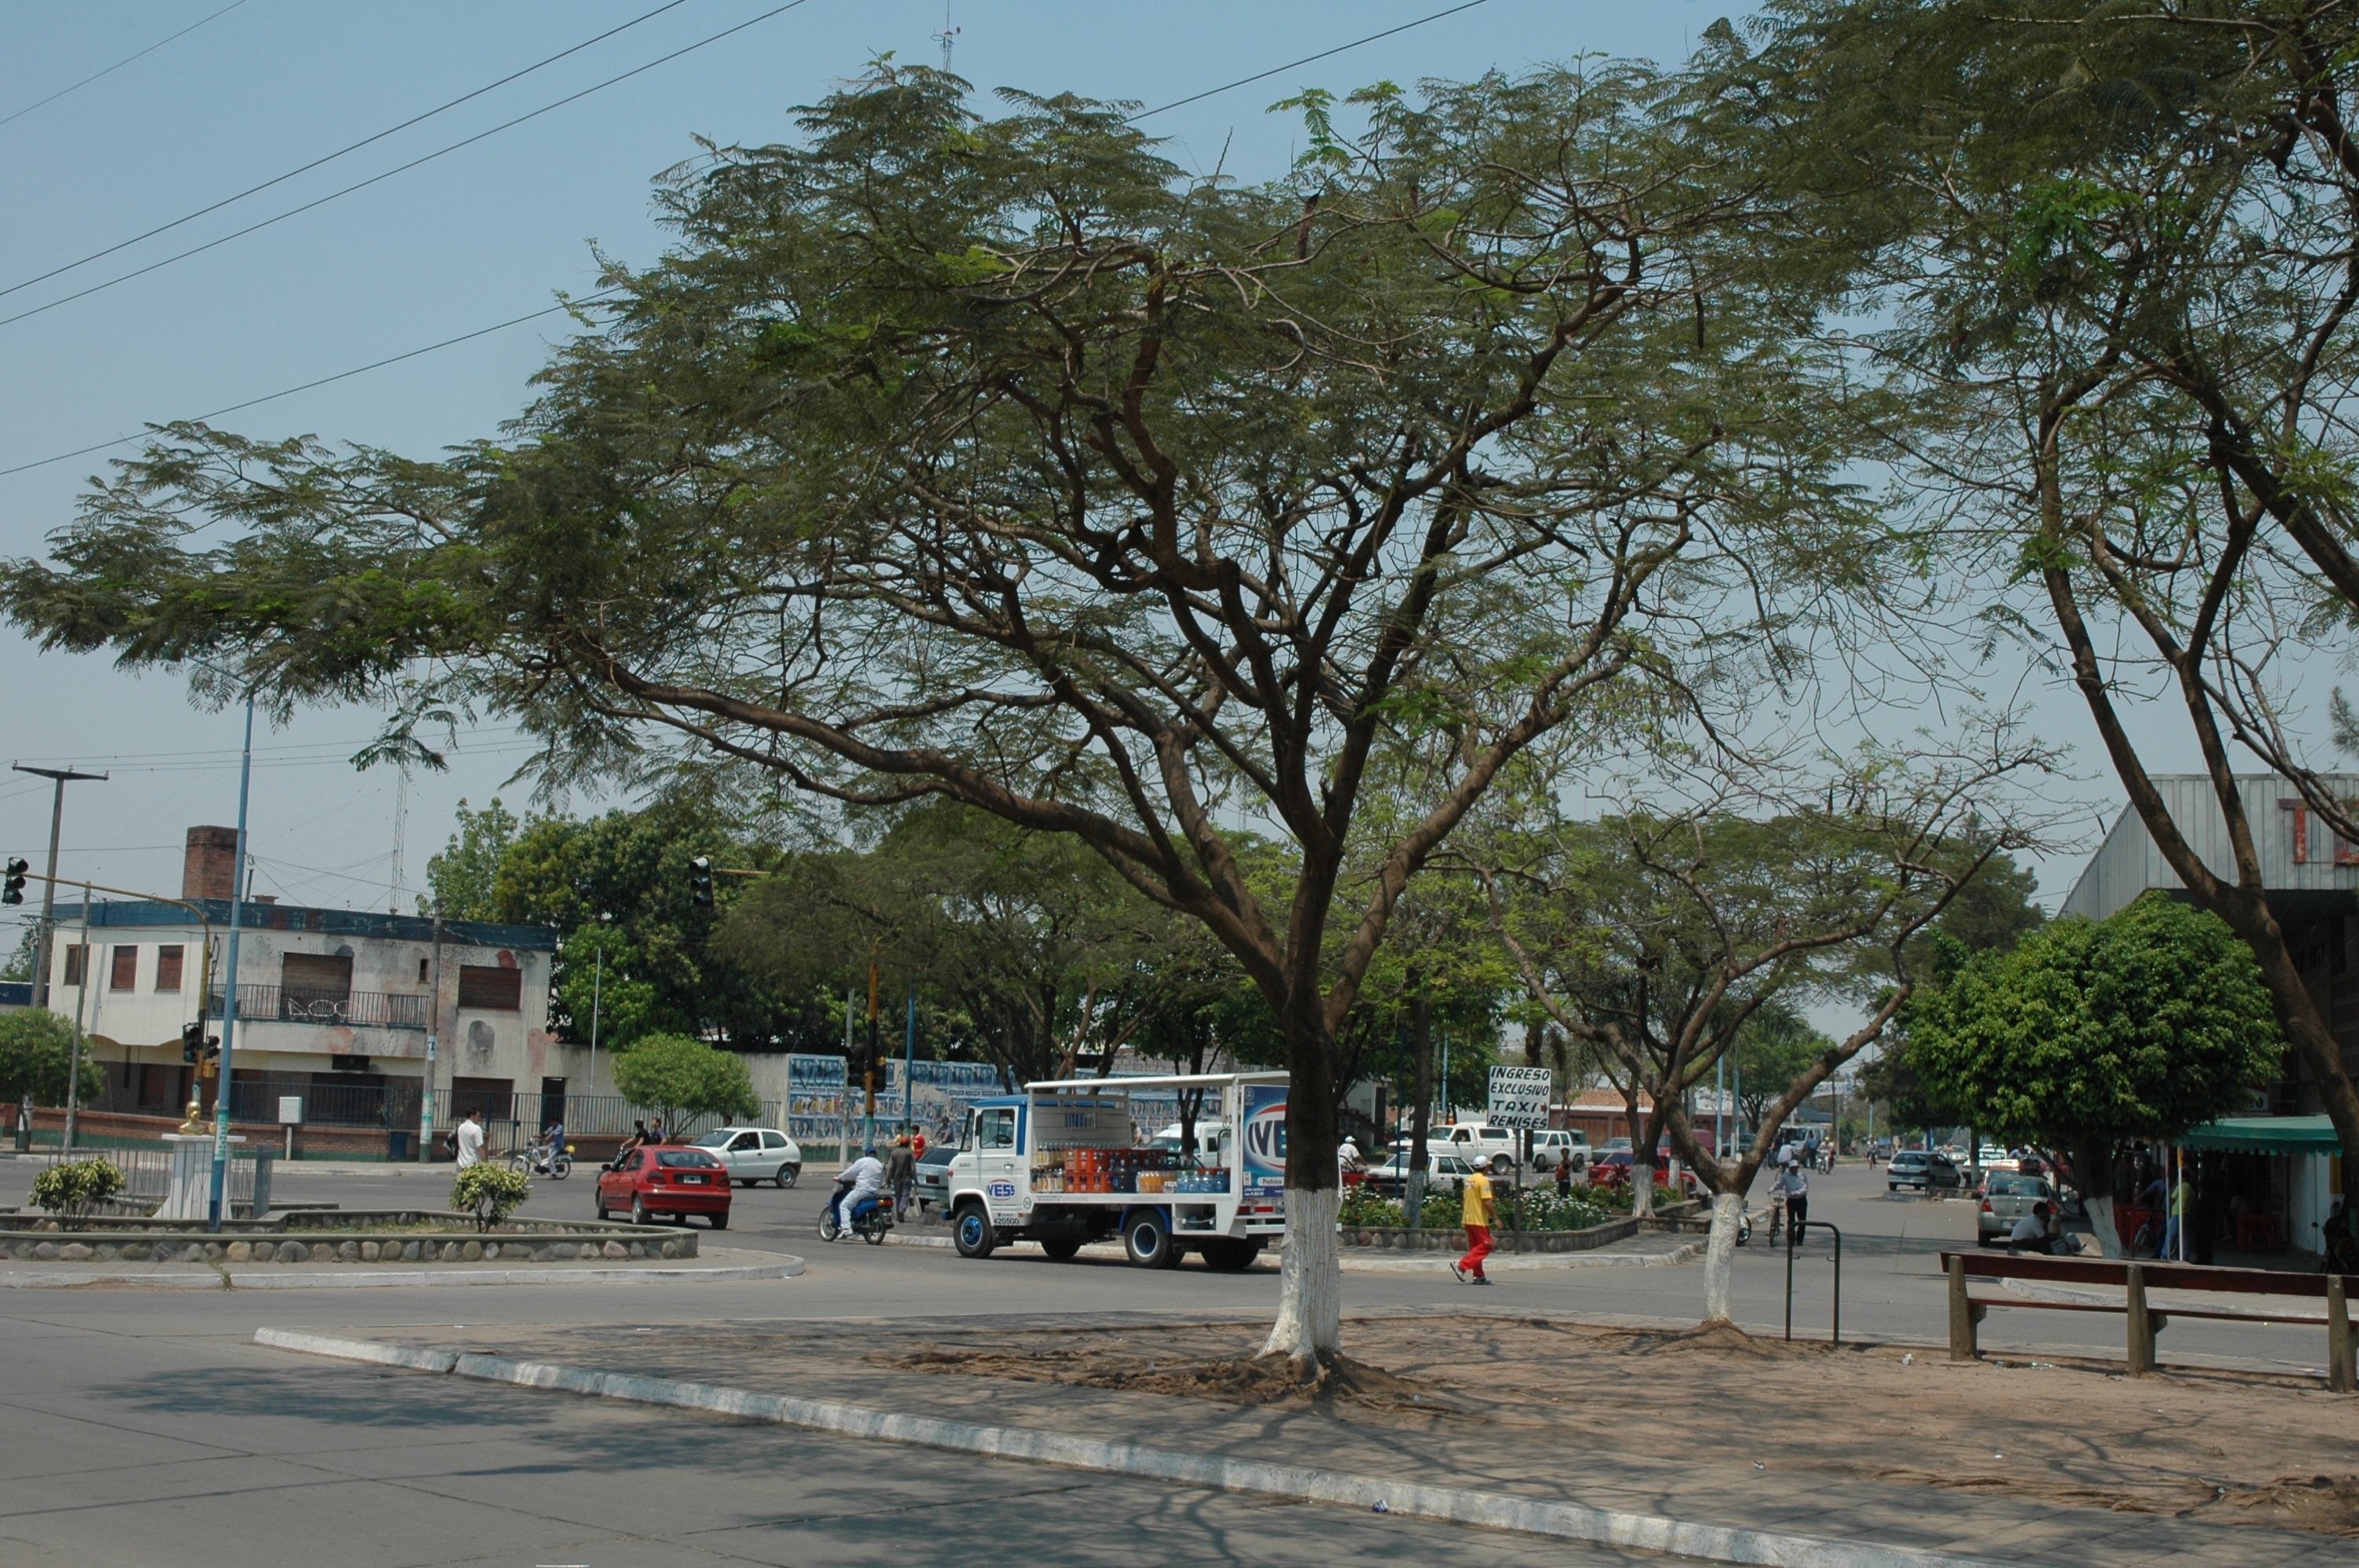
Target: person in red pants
x=1477 y=1217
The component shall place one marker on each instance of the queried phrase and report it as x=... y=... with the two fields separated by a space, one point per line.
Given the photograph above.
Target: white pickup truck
x=1060 y=1164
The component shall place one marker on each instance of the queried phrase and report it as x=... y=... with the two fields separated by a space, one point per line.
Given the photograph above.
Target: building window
x=422 y=973
x=491 y=988
x=167 y=967
x=316 y=977
x=125 y=974
x=76 y=962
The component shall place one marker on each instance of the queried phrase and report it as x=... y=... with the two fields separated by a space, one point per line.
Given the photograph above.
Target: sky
x=479 y=236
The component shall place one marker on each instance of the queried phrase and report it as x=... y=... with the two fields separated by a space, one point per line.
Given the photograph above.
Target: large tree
x=2140 y=1025
x=1666 y=936
x=2111 y=254
x=995 y=458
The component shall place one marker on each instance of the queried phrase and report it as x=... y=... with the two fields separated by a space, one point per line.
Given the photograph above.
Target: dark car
x=1925 y=1171
x=666 y=1179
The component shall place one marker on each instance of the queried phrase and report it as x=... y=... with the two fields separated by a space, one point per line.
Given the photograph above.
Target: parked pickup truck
x=1059 y=1165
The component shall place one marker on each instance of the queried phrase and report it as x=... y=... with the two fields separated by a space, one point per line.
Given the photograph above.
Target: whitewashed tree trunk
x=1310 y=1328
x=2100 y=1220
x=1720 y=1258
x=1642 y=1189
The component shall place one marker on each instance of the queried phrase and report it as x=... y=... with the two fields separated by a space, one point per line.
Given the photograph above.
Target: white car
x=755 y=1154
x=1491 y=1146
x=1554 y=1146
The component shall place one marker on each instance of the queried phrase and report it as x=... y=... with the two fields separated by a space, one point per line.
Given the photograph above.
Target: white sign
x=290 y=1109
x=1519 y=1097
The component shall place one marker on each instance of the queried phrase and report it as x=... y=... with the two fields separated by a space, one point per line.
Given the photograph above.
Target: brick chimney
x=209 y=869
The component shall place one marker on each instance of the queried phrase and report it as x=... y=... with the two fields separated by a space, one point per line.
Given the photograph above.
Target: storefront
x=2266 y=1184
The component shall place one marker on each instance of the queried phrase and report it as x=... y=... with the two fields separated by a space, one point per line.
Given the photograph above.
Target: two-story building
x=333 y=1008
x=2276 y=1168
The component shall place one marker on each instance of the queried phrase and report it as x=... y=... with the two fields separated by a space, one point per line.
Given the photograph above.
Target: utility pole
x=597 y=983
x=910 y=1069
x=73 y=1064
x=434 y=1038
x=868 y=1065
x=221 y=1095
x=64 y=776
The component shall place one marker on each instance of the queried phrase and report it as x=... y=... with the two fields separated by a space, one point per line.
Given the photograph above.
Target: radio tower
x=947 y=37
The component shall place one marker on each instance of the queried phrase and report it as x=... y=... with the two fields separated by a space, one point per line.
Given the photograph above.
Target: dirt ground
x=2220 y=1446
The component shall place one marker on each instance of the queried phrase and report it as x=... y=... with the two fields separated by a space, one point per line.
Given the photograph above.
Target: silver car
x=755 y=1154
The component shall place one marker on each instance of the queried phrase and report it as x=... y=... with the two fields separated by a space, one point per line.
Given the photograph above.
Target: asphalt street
x=143 y=1427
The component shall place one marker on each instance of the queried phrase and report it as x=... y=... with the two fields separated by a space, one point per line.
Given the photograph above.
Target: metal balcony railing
x=303 y=1004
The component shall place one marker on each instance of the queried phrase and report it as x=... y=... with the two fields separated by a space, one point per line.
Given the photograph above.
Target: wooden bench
x=2135 y=1278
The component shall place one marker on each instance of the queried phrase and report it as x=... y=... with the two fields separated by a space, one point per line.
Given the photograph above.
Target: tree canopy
x=682 y=1077
x=2140 y=1025
x=37 y=1060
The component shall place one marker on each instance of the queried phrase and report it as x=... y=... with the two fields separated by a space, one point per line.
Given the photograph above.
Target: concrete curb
x=363 y=1279
x=1439 y=1263
x=1491 y=1510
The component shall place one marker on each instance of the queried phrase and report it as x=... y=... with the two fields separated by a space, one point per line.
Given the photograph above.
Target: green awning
x=2265 y=1134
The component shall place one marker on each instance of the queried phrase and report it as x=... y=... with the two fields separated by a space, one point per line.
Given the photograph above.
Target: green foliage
x=460 y=879
x=77 y=1185
x=1362 y=1207
x=37 y=1060
x=490 y=1191
x=2143 y=1024
x=682 y=1077
x=1772 y=1049
x=28 y=953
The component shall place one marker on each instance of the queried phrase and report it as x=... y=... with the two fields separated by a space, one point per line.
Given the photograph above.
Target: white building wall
x=2128 y=863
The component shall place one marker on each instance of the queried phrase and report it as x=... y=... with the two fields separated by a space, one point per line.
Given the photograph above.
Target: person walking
x=1564 y=1174
x=901 y=1174
x=1476 y=1216
x=1795 y=1184
x=471 y=1140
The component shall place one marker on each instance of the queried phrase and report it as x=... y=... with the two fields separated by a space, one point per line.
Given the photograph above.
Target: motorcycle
x=870 y=1226
x=543 y=1160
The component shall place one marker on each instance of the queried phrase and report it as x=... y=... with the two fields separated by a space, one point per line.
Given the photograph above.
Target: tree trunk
x=1420 y=1113
x=1310 y=1324
x=2092 y=1173
x=1720 y=1257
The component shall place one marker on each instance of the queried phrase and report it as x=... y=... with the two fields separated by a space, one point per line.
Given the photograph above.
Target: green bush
x=490 y=1193
x=76 y=1185
x=1362 y=1207
x=35 y=1060
x=682 y=1077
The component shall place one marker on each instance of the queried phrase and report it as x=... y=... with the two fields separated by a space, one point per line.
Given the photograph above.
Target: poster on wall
x=815 y=1099
x=1262 y=1142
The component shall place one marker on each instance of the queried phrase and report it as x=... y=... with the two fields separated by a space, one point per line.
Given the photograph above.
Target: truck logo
x=1263 y=1139
x=1004 y=1192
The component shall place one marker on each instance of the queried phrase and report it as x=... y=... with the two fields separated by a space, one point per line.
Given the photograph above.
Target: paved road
x=145 y=1428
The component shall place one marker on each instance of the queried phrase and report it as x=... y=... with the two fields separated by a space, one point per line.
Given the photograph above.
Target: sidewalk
x=712 y=1266
x=1384 y=1439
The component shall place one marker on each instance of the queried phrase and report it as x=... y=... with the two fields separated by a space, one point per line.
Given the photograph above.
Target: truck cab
x=1063 y=1164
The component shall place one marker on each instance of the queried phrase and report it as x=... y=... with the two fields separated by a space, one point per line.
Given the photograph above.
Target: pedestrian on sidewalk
x=1564 y=1174
x=471 y=1140
x=1478 y=1216
x=901 y=1174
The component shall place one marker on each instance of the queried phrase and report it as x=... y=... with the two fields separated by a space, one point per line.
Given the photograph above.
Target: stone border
x=219 y=1278
x=1428 y=1239
x=615 y=1244
x=1453 y=1505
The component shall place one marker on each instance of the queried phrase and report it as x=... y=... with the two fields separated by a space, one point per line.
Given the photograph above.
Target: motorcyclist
x=856 y=1188
x=552 y=1144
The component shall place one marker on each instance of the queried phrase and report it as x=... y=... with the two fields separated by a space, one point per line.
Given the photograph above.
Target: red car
x=666 y=1181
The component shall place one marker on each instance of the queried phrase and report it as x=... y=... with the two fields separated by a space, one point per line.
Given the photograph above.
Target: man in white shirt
x=471 y=1140
x=860 y=1183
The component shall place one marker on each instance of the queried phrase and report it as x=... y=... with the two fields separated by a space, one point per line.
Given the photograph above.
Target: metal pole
x=63 y=775
x=1719 y=1107
x=73 y=1065
x=909 y=1066
x=433 y=1041
x=597 y=983
x=222 y=1096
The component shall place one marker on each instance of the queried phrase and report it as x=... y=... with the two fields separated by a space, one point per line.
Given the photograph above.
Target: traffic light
x=700 y=882
x=12 y=892
x=198 y=1048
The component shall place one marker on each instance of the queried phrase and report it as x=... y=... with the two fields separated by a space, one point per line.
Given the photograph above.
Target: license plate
x=693 y=1180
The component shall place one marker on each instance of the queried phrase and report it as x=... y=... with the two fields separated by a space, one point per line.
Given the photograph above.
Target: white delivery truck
x=1063 y=1164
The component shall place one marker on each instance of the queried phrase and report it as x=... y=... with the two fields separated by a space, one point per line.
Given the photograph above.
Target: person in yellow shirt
x=1476 y=1216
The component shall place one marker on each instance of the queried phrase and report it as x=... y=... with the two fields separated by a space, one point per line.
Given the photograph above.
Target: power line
x=1290 y=65
x=119 y=64
x=599 y=298
x=325 y=380
x=443 y=151
x=340 y=152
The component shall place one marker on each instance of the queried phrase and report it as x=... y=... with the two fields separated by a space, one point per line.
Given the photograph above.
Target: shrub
x=490 y=1193
x=680 y=1077
x=76 y=1186
x=1362 y=1207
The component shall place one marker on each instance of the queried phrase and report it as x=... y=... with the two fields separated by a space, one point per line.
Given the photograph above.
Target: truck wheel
x=1230 y=1255
x=970 y=1231
x=1147 y=1240
x=1063 y=1251
x=1501 y=1165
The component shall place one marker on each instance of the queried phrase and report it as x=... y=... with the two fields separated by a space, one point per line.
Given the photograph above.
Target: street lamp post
x=222 y=1092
